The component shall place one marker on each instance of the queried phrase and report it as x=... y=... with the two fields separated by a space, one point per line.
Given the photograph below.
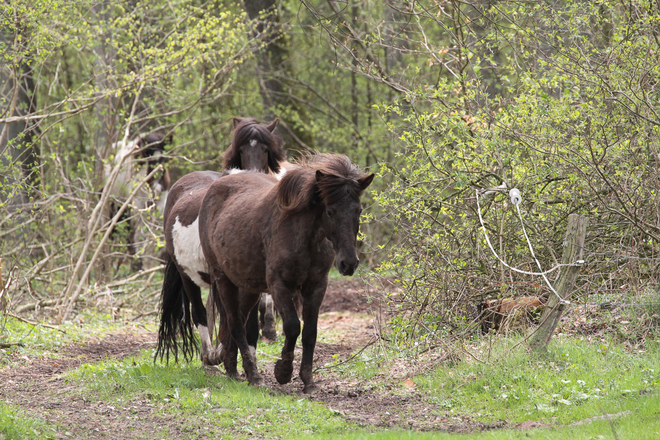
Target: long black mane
x=325 y=178
x=247 y=129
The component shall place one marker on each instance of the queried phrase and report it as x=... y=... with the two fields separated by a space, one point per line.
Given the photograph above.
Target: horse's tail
x=174 y=318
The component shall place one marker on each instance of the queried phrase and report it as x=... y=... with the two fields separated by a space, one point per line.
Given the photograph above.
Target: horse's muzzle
x=347 y=267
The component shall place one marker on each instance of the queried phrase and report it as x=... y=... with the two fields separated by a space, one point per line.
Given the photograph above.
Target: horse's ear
x=237 y=121
x=319 y=175
x=169 y=139
x=366 y=181
x=272 y=125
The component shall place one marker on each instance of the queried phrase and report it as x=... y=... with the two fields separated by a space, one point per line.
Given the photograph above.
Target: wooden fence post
x=576 y=231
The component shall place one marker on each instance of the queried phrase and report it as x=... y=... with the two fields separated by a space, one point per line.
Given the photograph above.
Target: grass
x=568 y=388
x=14 y=427
x=41 y=341
x=227 y=405
x=573 y=381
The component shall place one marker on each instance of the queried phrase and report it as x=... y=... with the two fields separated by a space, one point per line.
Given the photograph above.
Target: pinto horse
x=259 y=234
x=254 y=146
x=138 y=157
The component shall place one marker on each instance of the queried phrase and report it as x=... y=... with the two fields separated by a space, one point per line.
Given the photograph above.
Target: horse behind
x=260 y=234
x=254 y=146
x=137 y=158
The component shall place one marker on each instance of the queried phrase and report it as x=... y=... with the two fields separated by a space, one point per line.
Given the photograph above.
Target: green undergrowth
x=631 y=427
x=577 y=390
x=14 y=426
x=573 y=381
x=569 y=389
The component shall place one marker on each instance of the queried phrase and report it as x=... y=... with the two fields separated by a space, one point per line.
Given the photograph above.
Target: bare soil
x=351 y=309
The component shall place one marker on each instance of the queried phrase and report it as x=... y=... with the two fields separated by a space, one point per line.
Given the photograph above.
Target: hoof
x=215 y=356
x=283 y=371
x=270 y=335
x=310 y=388
x=211 y=369
x=258 y=382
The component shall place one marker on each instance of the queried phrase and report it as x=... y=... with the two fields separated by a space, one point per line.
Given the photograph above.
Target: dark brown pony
x=254 y=146
x=259 y=234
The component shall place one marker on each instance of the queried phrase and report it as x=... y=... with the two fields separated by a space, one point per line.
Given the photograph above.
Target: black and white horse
x=137 y=158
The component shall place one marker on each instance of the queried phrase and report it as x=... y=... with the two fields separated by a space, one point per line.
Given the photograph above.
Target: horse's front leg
x=283 y=297
x=312 y=298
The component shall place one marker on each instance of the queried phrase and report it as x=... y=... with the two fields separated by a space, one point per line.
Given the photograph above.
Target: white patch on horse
x=236 y=171
x=188 y=251
x=253 y=142
x=130 y=175
x=281 y=174
x=253 y=353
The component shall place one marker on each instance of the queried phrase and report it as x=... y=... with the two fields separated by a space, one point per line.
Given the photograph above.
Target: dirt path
x=351 y=311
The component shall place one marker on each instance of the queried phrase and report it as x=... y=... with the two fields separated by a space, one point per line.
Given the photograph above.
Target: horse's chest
x=188 y=251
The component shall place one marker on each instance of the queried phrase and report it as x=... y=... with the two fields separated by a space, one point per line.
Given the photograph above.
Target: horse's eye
x=330 y=212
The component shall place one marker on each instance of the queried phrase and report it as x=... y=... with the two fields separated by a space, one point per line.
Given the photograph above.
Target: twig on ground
x=27 y=321
x=370 y=343
x=11 y=344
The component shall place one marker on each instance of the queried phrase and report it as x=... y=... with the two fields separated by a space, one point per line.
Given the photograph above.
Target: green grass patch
x=575 y=380
x=40 y=341
x=220 y=404
x=14 y=427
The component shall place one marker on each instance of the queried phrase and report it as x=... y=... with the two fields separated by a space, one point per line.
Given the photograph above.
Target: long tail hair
x=175 y=318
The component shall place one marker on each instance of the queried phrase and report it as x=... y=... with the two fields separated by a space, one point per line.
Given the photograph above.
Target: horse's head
x=255 y=146
x=334 y=185
x=341 y=216
x=151 y=149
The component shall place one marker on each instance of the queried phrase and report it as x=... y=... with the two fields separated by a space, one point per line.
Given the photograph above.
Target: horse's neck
x=305 y=226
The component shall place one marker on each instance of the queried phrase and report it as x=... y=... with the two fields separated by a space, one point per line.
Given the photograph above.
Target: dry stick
x=32 y=306
x=95 y=217
x=3 y=303
x=27 y=321
x=113 y=223
x=142 y=289
x=135 y=276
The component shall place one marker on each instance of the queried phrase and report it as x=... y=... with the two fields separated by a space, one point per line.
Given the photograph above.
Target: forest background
x=442 y=98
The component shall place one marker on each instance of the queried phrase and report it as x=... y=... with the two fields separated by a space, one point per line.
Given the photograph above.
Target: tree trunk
x=17 y=153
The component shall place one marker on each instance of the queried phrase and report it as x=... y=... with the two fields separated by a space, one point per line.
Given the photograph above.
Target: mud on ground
x=352 y=310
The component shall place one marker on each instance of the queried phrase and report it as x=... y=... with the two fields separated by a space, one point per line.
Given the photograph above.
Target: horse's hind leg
x=252 y=328
x=267 y=311
x=209 y=355
x=236 y=310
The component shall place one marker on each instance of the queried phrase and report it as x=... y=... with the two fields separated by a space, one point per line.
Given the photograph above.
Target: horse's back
x=185 y=196
x=232 y=219
x=242 y=191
